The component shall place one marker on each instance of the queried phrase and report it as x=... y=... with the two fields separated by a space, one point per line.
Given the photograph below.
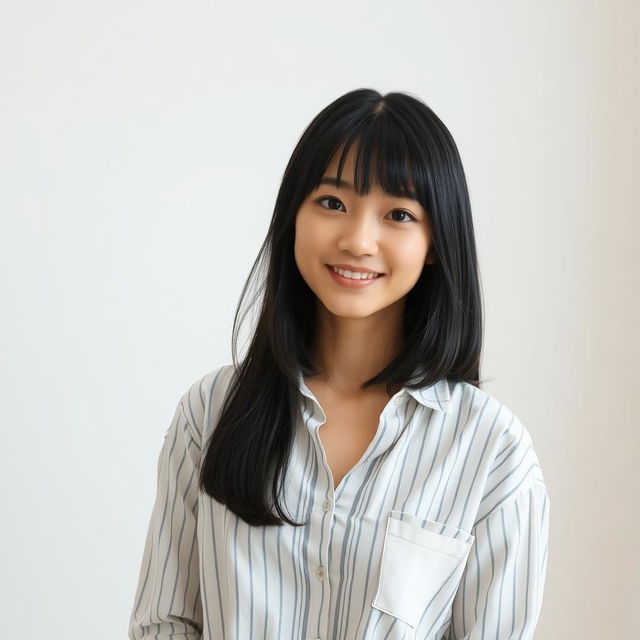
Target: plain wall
x=141 y=149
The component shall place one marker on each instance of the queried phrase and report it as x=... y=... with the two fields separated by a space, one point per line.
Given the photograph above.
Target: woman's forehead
x=375 y=165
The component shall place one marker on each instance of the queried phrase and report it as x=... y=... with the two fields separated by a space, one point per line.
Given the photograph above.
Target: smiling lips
x=354 y=269
x=353 y=279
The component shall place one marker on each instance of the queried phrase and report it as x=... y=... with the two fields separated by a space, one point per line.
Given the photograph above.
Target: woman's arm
x=167 y=601
x=501 y=590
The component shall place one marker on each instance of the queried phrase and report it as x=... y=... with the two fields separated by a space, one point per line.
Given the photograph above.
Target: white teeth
x=355 y=275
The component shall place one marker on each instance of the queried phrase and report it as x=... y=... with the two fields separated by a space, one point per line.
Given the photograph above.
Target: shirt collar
x=436 y=396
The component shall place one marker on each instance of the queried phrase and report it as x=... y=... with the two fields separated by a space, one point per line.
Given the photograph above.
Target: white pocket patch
x=417 y=559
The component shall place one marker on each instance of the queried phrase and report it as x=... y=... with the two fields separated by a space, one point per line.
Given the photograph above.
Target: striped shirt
x=439 y=531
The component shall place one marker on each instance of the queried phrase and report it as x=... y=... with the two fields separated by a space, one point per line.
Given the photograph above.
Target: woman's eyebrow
x=347 y=185
x=334 y=182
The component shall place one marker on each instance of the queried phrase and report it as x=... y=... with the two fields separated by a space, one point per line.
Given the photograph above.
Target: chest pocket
x=418 y=557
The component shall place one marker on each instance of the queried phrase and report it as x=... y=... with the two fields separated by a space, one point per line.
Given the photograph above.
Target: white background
x=141 y=149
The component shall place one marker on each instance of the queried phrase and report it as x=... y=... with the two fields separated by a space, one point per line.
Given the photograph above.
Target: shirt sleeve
x=501 y=589
x=167 y=600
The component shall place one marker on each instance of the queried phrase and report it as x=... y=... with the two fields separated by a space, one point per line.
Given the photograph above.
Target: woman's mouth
x=353 y=279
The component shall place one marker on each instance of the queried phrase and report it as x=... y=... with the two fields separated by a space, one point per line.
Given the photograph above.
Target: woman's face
x=386 y=234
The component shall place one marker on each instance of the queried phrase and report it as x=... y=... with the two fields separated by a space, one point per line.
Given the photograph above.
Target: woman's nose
x=360 y=235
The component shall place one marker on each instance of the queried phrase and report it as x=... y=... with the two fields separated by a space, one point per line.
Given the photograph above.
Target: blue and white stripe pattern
x=439 y=531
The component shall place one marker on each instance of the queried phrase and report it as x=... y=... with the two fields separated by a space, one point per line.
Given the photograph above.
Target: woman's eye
x=406 y=213
x=409 y=217
x=328 y=198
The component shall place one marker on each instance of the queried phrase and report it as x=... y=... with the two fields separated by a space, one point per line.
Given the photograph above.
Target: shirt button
x=322 y=573
x=326 y=505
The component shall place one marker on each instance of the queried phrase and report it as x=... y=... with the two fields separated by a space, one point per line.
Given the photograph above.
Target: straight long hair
x=402 y=145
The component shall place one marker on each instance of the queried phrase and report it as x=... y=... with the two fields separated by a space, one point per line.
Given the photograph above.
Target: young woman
x=349 y=479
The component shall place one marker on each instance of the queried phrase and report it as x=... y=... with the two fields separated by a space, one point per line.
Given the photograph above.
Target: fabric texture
x=440 y=531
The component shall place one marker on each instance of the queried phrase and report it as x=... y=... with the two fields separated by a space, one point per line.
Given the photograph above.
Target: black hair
x=408 y=148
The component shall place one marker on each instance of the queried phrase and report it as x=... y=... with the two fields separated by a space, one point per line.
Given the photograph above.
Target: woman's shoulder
x=484 y=408
x=512 y=464
x=203 y=399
